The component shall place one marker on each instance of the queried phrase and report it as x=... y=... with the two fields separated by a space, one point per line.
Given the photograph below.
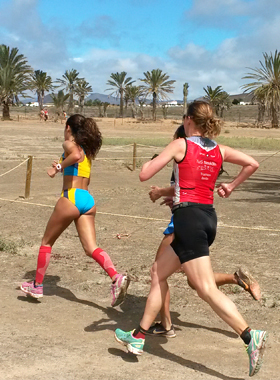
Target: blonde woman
x=197 y=162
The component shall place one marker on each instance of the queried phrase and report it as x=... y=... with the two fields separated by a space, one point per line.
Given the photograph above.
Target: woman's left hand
x=224 y=190
x=52 y=172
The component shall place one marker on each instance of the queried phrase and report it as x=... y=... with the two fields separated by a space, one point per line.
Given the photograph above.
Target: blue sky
x=202 y=42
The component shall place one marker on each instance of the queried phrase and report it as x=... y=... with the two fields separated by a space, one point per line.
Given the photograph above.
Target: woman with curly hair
x=82 y=143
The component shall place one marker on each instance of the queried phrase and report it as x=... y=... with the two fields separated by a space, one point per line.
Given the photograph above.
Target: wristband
x=58 y=167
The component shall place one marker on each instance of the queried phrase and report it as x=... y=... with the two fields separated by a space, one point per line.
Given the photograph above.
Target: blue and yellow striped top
x=79 y=169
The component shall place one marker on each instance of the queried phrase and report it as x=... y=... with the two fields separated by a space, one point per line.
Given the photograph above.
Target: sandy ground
x=68 y=335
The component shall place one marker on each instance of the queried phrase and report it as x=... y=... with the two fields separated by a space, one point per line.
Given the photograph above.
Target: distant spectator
x=42 y=115
x=46 y=114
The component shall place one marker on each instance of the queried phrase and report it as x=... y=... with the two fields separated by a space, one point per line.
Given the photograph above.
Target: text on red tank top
x=196 y=174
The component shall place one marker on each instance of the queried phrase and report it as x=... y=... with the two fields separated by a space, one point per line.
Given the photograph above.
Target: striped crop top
x=79 y=169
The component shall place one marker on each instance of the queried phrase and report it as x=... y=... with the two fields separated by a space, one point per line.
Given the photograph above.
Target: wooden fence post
x=134 y=156
x=28 y=176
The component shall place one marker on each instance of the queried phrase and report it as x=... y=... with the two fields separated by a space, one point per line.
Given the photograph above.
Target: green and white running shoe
x=133 y=345
x=255 y=350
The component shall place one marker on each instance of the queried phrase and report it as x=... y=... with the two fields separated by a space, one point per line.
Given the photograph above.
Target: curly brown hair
x=86 y=134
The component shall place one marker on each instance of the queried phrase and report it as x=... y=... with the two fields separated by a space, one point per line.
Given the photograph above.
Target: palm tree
x=266 y=84
x=133 y=93
x=185 y=94
x=119 y=82
x=214 y=96
x=224 y=103
x=70 y=81
x=105 y=106
x=259 y=97
x=98 y=103
x=41 y=82
x=83 y=88
x=142 y=102
x=59 y=101
x=157 y=85
x=14 y=77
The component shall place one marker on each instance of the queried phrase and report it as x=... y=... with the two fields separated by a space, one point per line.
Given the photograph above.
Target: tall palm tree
x=83 y=88
x=119 y=82
x=69 y=82
x=41 y=82
x=14 y=77
x=59 y=101
x=157 y=85
x=266 y=83
x=185 y=96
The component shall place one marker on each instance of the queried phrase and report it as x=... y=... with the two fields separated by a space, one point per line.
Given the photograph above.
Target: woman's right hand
x=154 y=193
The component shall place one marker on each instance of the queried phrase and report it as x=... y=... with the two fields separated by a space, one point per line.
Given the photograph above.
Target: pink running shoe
x=119 y=288
x=30 y=289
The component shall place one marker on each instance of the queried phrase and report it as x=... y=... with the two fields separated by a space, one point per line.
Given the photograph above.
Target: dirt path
x=69 y=334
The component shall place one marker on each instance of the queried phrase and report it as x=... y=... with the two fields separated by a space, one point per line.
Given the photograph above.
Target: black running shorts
x=194 y=230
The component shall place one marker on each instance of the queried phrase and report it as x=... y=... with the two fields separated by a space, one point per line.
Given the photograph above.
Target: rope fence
x=220 y=224
x=29 y=161
x=1 y=175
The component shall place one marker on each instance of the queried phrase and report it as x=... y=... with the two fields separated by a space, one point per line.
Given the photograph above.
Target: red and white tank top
x=196 y=174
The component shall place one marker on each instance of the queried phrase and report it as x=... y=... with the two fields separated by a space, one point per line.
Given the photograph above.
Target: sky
x=201 y=42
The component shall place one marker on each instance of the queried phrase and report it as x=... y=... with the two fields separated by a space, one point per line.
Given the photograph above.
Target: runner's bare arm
x=73 y=155
x=176 y=149
x=249 y=166
x=158 y=192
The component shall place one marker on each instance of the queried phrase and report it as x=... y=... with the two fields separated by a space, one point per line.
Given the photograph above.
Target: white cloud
x=55 y=47
x=78 y=59
x=22 y=27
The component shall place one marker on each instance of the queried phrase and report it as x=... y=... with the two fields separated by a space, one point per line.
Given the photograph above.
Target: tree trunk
x=274 y=120
x=154 y=106
x=100 y=110
x=6 y=111
x=133 y=110
x=185 y=104
x=121 y=103
x=41 y=105
x=82 y=103
x=71 y=104
x=261 y=112
x=105 y=106
x=141 y=113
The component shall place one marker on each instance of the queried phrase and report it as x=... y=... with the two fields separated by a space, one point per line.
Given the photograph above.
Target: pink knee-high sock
x=103 y=259
x=42 y=263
